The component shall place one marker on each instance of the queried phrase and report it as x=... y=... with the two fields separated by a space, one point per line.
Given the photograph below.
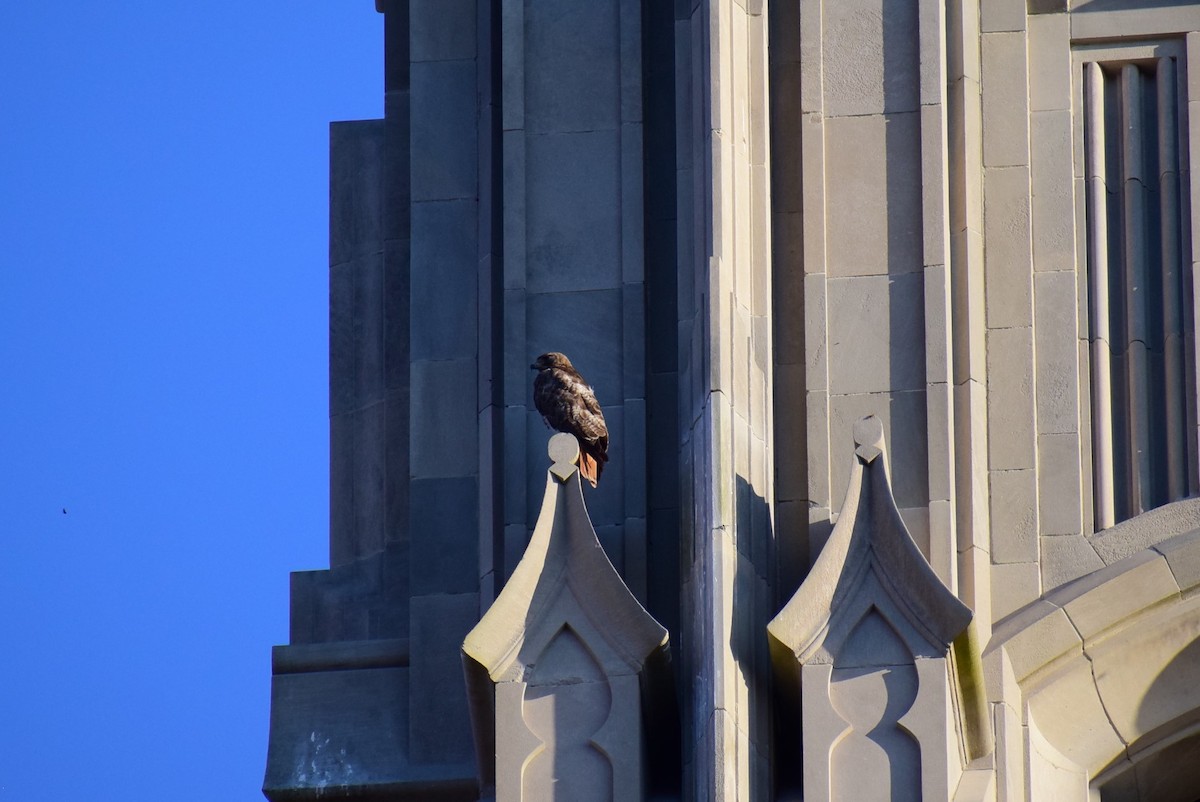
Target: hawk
x=569 y=405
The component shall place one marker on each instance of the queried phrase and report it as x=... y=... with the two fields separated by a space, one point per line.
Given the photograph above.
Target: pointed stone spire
x=864 y=641
x=555 y=668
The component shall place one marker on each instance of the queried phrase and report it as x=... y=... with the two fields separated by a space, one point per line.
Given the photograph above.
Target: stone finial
x=868 y=438
x=563 y=449
x=865 y=641
x=556 y=668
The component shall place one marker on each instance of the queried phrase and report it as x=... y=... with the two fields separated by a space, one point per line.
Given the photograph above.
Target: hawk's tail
x=589 y=468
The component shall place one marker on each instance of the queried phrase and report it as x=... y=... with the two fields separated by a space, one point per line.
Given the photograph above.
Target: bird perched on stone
x=568 y=404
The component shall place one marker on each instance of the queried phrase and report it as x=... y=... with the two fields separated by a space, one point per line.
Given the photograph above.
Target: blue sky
x=163 y=369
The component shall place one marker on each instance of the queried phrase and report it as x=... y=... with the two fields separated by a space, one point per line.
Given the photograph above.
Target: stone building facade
x=891 y=307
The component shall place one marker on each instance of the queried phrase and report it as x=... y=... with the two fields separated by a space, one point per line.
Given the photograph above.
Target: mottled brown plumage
x=569 y=405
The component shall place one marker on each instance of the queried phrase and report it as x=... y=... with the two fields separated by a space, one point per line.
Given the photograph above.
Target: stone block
x=1011 y=436
x=932 y=24
x=1057 y=353
x=516 y=538
x=396 y=473
x=1110 y=595
x=969 y=305
x=396 y=310
x=975 y=585
x=1005 y=99
x=937 y=324
x=445 y=139
x=518 y=377
x=344 y=342
x=515 y=203
x=1014 y=585
x=1014 y=524
x=1147 y=678
x=633 y=335
x=903 y=418
x=443 y=419
x=876 y=329
x=315 y=744
x=662 y=442
x=939 y=407
x=816 y=331
x=1059 y=487
x=812 y=151
x=554 y=321
x=1002 y=15
x=787 y=119
x=1065 y=558
x=612 y=540
x=396 y=172
x=444 y=535
x=873 y=193
x=790 y=433
x=935 y=192
x=1006 y=237
x=355 y=189
x=870 y=60
x=633 y=448
x=440 y=30
x=571 y=66
x=632 y=221
x=970 y=463
x=1037 y=637
x=737 y=336
x=1072 y=718
x=512 y=60
x=573 y=212
x=1050 y=61
x=1183 y=556
x=964 y=133
x=916 y=521
x=1053 y=202
x=817 y=439
x=357 y=470
x=1133 y=21
x=445 y=281
x=439 y=724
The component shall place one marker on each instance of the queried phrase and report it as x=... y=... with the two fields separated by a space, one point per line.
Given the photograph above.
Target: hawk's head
x=552 y=360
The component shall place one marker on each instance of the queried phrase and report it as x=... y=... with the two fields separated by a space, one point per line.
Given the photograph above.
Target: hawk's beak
x=534 y=367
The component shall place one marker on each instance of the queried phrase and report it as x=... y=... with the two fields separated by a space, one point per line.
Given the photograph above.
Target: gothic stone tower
x=890 y=305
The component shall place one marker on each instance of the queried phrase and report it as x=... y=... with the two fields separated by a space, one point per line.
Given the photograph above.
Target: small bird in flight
x=568 y=404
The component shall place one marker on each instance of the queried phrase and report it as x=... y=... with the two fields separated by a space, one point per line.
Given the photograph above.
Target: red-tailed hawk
x=569 y=405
